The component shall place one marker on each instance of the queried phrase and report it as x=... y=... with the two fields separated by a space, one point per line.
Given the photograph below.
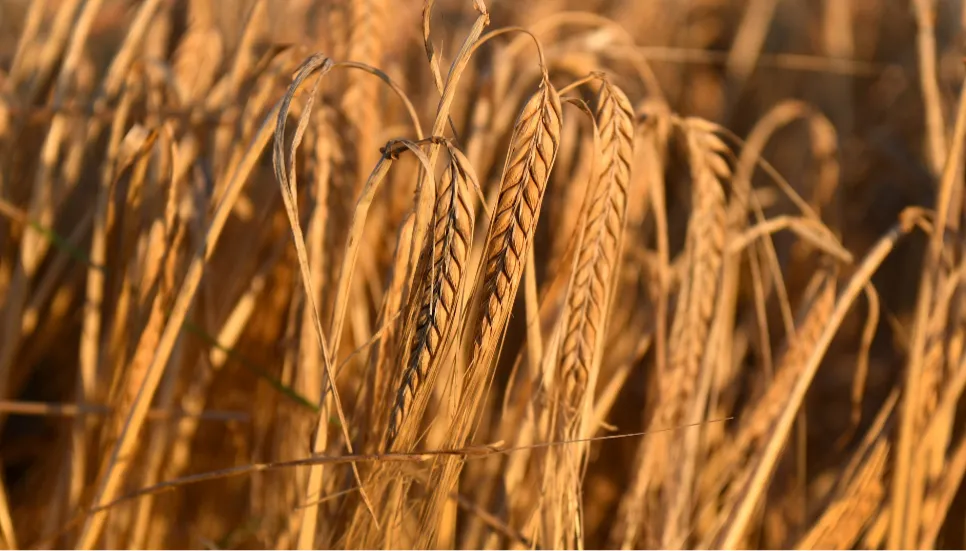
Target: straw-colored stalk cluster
x=549 y=312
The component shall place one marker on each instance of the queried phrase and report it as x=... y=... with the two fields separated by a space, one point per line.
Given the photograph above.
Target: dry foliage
x=468 y=274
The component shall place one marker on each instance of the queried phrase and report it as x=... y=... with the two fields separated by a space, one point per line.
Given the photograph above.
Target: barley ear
x=533 y=149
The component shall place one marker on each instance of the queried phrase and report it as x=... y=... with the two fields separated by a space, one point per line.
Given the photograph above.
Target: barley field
x=482 y=274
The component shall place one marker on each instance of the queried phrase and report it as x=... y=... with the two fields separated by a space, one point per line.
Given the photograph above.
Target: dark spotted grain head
x=439 y=284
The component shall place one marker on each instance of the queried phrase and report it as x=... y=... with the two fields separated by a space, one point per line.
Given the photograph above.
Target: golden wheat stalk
x=597 y=250
x=704 y=246
x=705 y=243
x=532 y=153
x=533 y=149
x=861 y=488
x=731 y=465
x=740 y=513
x=690 y=331
x=590 y=297
x=807 y=333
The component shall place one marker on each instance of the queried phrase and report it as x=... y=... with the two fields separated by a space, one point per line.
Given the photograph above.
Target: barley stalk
x=587 y=311
x=440 y=279
x=689 y=333
x=733 y=463
x=854 y=506
x=533 y=149
x=598 y=254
